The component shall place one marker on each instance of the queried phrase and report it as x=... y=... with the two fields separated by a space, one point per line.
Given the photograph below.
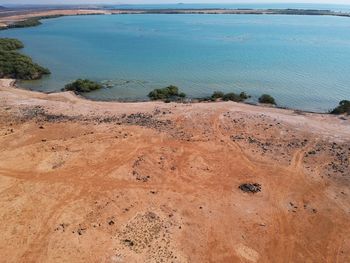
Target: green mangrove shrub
x=16 y=65
x=168 y=93
x=267 y=99
x=232 y=97
x=244 y=96
x=217 y=95
x=343 y=108
x=82 y=86
x=8 y=44
x=229 y=96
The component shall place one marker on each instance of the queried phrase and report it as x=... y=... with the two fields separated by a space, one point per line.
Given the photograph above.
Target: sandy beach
x=12 y=17
x=86 y=181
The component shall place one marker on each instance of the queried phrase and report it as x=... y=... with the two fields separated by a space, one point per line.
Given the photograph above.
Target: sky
x=165 y=1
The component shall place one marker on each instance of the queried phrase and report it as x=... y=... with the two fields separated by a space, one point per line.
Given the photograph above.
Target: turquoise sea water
x=303 y=61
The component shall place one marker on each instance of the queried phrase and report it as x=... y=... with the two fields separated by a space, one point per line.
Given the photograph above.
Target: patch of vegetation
x=168 y=94
x=16 y=65
x=267 y=99
x=26 y=23
x=8 y=44
x=182 y=95
x=82 y=86
x=230 y=96
x=343 y=108
x=217 y=95
x=30 y=22
x=244 y=96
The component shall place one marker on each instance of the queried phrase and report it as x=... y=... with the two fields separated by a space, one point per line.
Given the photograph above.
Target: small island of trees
x=16 y=65
x=83 y=86
x=343 y=108
x=267 y=99
x=170 y=93
x=229 y=96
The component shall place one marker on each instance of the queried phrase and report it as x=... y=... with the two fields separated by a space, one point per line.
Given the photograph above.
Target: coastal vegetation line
x=19 y=66
x=173 y=94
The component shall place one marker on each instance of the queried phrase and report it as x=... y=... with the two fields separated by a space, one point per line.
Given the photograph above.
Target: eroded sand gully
x=84 y=181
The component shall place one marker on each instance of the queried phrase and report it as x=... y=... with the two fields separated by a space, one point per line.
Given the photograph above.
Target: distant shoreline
x=14 y=84
x=9 y=18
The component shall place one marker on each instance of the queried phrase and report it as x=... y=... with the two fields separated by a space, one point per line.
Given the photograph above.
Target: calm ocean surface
x=303 y=61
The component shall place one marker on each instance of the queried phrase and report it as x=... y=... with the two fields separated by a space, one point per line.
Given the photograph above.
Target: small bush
x=229 y=96
x=167 y=93
x=182 y=95
x=267 y=99
x=217 y=95
x=83 y=85
x=343 y=108
x=232 y=97
x=244 y=95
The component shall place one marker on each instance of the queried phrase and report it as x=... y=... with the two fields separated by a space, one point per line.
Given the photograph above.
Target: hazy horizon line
x=178 y=3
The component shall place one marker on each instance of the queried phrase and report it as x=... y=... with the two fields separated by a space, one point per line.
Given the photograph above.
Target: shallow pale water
x=303 y=61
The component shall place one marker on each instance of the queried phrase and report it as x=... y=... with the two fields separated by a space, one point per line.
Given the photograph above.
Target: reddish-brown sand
x=84 y=181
